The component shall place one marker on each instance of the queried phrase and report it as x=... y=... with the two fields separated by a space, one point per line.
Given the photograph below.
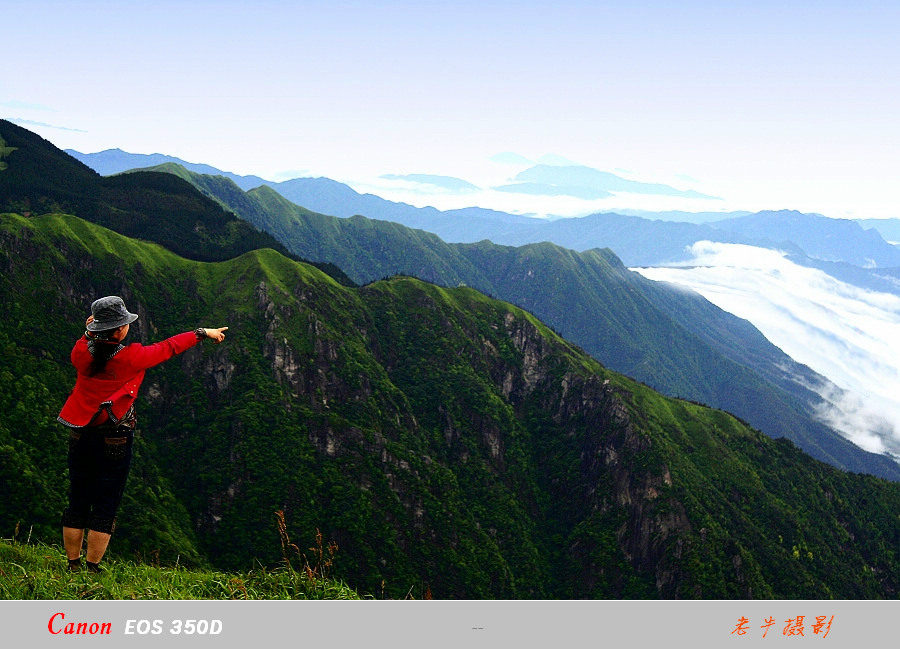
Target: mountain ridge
x=820 y=237
x=439 y=436
x=655 y=240
x=629 y=340
x=41 y=178
x=589 y=298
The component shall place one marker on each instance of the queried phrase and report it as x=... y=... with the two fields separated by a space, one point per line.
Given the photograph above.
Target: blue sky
x=767 y=105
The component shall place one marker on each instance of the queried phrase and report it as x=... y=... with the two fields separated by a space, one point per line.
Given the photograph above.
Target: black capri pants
x=99 y=462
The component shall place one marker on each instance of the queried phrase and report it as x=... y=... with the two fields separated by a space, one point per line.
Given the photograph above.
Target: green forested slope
x=440 y=437
x=39 y=178
x=675 y=342
x=681 y=346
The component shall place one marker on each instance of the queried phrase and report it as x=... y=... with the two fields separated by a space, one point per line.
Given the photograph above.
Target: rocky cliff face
x=528 y=374
x=594 y=414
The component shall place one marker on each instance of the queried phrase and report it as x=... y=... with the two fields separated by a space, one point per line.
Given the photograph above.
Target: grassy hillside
x=39 y=572
x=445 y=441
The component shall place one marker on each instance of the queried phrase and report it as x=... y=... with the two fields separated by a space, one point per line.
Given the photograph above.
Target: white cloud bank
x=841 y=331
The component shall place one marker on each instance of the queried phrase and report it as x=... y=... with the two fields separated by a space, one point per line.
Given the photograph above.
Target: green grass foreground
x=40 y=572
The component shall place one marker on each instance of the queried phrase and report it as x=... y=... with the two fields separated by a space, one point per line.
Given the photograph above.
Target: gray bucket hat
x=110 y=313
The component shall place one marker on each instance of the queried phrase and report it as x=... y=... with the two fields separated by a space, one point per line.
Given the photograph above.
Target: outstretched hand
x=216 y=335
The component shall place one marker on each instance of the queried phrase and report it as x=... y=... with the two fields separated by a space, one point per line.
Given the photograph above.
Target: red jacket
x=111 y=393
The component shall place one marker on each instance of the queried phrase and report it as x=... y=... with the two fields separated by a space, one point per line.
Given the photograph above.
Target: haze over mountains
x=638 y=238
x=584 y=182
x=853 y=251
x=441 y=436
x=641 y=241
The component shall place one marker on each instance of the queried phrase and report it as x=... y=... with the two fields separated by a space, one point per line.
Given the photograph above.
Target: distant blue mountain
x=467 y=225
x=889 y=229
x=331 y=197
x=840 y=247
x=115 y=161
x=443 y=182
x=581 y=180
x=636 y=241
x=680 y=215
x=820 y=237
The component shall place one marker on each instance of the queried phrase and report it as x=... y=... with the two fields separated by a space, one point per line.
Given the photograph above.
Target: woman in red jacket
x=100 y=414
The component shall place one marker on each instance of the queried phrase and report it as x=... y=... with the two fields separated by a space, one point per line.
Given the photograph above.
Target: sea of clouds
x=848 y=334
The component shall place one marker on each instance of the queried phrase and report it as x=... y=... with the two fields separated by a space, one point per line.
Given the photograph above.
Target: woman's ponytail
x=102 y=349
